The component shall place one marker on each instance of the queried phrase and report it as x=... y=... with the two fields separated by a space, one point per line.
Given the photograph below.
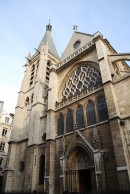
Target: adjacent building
x=6 y=122
x=72 y=121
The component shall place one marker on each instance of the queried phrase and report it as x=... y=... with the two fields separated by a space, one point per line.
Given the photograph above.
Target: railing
x=77 y=97
x=77 y=52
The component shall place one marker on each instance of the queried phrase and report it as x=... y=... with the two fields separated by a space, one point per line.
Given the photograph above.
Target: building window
x=41 y=169
x=27 y=101
x=60 y=124
x=4 y=132
x=76 y=44
x=69 y=121
x=80 y=117
x=32 y=74
x=48 y=71
x=6 y=120
x=2 y=146
x=32 y=98
x=91 y=117
x=1 y=161
x=21 y=166
x=102 y=109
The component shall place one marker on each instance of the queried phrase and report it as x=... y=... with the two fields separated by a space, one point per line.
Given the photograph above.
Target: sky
x=23 y=25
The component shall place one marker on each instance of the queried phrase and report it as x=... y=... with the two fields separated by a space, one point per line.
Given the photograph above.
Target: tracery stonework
x=83 y=78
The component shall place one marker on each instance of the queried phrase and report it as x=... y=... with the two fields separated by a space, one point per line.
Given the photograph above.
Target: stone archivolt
x=82 y=79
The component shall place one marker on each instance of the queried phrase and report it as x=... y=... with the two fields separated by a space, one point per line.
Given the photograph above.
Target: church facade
x=72 y=120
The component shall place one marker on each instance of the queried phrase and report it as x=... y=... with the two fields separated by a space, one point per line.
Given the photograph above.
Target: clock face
x=76 y=44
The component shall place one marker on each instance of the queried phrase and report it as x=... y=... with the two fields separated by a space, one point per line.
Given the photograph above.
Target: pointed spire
x=48 y=39
x=29 y=55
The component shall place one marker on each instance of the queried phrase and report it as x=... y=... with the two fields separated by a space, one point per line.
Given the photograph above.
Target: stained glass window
x=91 y=117
x=69 y=121
x=60 y=130
x=84 y=78
x=80 y=117
x=102 y=109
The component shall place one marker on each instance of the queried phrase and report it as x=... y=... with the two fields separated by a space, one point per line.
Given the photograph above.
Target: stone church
x=72 y=119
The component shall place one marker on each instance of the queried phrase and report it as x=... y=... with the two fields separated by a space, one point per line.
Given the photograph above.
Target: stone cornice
x=34 y=58
x=37 y=103
x=18 y=107
x=52 y=57
x=85 y=128
x=122 y=78
x=18 y=141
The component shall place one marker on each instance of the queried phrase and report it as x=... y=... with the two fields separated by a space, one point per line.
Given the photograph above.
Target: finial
x=48 y=27
x=75 y=27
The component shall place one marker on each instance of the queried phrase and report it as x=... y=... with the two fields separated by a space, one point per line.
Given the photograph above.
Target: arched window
x=48 y=71
x=91 y=117
x=41 y=169
x=102 y=109
x=32 y=74
x=80 y=117
x=69 y=121
x=21 y=166
x=60 y=129
x=32 y=98
x=27 y=101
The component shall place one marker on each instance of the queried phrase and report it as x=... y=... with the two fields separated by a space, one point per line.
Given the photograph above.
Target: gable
x=77 y=37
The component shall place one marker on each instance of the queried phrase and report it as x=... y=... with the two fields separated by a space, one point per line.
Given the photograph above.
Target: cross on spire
x=75 y=27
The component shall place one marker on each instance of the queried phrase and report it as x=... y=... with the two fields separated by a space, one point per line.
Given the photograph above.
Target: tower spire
x=48 y=39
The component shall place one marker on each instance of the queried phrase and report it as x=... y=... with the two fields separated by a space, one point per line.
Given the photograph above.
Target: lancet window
x=91 y=117
x=32 y=98
x=69 y=121
x=48 y=71
x=32 y=74
x=102 y=109
x=80 y=117
x=60 y=129
x=41 y=169
x=27 y=101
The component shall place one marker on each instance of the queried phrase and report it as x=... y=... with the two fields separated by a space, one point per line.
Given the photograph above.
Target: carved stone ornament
x=96 y=140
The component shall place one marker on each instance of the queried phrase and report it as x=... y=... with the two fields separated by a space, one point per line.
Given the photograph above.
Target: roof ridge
x=83 y=33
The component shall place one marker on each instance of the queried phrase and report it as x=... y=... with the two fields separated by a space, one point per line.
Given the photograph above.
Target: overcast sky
x=23 y=24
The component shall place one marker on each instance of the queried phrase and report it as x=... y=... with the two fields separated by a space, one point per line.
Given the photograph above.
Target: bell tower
x=30 y=123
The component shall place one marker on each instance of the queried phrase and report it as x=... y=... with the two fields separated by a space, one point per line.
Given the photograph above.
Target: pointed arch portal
x=79 y=176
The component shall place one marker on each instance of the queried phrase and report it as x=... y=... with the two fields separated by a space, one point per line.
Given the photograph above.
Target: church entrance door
x=85 y=180
x=79 y=171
